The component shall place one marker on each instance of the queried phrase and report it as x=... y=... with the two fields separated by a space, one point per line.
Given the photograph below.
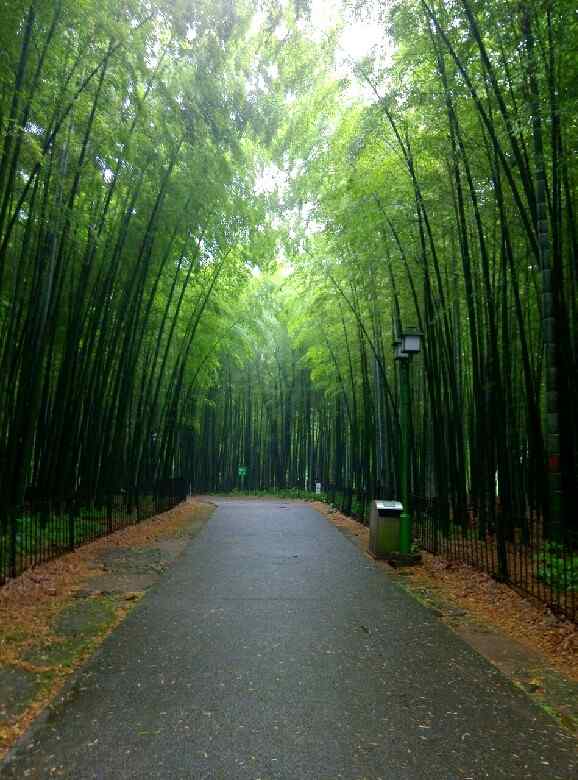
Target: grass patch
x=289 y=493
x=557 y=567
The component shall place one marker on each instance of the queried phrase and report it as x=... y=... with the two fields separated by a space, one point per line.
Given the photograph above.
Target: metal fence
x=519 y=551
x=354 y=503
x=42 y=529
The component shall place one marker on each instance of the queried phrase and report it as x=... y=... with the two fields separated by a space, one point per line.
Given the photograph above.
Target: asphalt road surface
x=274 y=649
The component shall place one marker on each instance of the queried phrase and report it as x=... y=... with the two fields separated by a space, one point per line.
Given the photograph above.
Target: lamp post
x=406 y=346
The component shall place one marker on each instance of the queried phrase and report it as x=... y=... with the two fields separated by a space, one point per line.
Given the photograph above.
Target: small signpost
x=242 y=474
x=318 y=487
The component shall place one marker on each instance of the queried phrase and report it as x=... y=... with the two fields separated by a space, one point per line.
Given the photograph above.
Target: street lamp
x=406 y=345
x=411 y=341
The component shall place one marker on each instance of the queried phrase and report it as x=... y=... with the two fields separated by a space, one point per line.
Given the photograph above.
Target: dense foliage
x=127 y=221
x=140 y=341
x=448 y=203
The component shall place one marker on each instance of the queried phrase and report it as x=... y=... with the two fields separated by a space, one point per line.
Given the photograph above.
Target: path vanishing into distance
x=274 y=648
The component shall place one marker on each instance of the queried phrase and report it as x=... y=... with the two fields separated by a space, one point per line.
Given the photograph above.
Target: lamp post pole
x=406 y=346
x=405 y=521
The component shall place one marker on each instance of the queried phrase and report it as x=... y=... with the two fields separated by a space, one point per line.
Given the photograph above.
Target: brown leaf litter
x=31 y=604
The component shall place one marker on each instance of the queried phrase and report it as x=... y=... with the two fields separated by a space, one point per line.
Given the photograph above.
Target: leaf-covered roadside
x=53 y=618
x=470 y=601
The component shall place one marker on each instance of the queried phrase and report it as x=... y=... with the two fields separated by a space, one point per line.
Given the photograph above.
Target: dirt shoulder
x=53 y=617
x=534 y=648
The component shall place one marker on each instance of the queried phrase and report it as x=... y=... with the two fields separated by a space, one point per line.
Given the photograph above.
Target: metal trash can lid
x=389 y=505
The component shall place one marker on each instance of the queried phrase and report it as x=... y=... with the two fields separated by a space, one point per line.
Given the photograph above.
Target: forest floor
x=53 y=617
x=534 y=648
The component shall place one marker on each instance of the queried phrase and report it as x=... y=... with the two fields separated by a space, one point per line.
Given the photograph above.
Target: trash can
x=384 y=528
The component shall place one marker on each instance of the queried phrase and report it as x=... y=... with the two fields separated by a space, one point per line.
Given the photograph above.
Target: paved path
x=275 y=649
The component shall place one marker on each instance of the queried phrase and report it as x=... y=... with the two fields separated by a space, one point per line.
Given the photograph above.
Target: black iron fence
x=354 y=503
x=521 y=551
x=42 y=529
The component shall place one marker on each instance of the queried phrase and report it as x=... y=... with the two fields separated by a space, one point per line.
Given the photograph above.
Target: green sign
x=242 y=471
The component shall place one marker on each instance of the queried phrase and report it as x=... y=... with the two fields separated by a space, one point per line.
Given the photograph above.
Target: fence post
x=13 y=542
x=503 y=572
x=137 y=502
x=71 y=523
x=109 y=517
x=435 y=530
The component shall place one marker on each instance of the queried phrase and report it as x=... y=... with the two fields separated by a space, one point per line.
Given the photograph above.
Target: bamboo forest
x=217 y=217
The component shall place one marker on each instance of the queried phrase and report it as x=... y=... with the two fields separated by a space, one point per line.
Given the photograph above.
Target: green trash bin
x=384 y=528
